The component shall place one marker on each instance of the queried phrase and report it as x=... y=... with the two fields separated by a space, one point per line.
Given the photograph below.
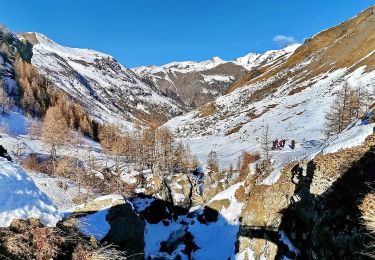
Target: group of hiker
x=280 y=144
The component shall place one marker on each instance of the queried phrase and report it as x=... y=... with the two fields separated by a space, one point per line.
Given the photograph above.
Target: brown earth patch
x=206 y=110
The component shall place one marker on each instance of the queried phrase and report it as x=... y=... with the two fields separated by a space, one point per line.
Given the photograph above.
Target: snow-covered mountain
x=253 y=60
x=196 y=83
x=107 y=89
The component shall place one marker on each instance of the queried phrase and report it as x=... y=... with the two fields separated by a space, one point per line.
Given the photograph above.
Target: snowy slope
x=297 y=117
x=21 y=199
x=104 y=87
x=291 y=97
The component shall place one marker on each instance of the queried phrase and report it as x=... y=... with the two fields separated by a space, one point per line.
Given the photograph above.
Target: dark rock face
x=329 y=226
x=160 y=210
x=4 y=153
x=322 y=218
x=15 y=45
x=127 y=230
x=126 y=226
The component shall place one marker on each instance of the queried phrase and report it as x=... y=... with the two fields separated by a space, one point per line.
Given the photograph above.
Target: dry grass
x=82 y=252
x=246 y=159
x=47 y=242
x=297 y=90
x=29 y=240
x=338 y=47
x=340 y=161
x=240 y=194
x=219 y=204
x=33 y=163
x=367 y=208
x=252 y=74
x=233 y=130
x=206 y=110
x=368 y=211
x=253 y=115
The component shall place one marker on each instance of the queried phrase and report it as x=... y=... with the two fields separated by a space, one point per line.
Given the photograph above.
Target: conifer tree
x=55 y=131
x=5 y=101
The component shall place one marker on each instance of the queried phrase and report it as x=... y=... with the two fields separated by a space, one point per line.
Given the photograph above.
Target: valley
x=266 y=156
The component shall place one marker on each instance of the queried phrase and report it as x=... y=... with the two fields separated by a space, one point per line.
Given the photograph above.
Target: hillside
x=292 y=97
x=105 y=88
x=196 y=83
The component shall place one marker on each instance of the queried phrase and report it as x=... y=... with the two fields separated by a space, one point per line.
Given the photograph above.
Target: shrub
x=62 y=185
x=246 y=159
x=233 y=130
x=36 y=164
x=29 y=239
x=64 y=167
x=47 y=242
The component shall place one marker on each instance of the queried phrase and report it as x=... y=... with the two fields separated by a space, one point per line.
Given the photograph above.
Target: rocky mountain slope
x=291 y=97
x=196 y=83
x=313 y=210
x=107 y=89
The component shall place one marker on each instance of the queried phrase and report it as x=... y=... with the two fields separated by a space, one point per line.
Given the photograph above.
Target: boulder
x=127 y=229
x=126 y=226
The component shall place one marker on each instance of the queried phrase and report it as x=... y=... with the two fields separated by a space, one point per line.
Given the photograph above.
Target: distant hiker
x=274 y=144
x=283 y=142
x=293 y=144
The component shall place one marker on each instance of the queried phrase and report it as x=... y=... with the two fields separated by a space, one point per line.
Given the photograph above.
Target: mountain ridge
x=197 y=83
x=106 y=88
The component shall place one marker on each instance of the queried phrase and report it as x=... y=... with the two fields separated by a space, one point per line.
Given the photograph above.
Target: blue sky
x=144 y=32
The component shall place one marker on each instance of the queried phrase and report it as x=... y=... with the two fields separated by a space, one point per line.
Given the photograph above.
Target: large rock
x=100 y=203
x=126 y=228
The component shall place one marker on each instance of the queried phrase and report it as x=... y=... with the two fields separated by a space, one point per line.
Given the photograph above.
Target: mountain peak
x=217 y=59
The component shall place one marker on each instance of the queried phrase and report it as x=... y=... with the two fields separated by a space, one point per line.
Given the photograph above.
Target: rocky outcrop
x=126 y=226
x=100 y=203
x=179 y=189
x=127 y=230
x=316 y=204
